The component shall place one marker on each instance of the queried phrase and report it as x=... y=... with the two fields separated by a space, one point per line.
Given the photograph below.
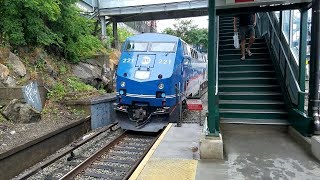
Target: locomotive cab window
x=163 y=46
x=136 y=46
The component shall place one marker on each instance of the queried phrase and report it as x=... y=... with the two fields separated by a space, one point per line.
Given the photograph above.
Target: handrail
x=217 y=58
x=285 y=56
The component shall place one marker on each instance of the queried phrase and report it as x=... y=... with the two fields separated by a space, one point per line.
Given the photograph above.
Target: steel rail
x=133 y=168
x=68 y=150
x=82 y=166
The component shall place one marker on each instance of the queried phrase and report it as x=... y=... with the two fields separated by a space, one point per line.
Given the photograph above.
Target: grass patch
x=71 y=87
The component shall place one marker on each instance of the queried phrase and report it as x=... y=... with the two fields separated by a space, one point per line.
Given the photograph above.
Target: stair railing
x=217 y=58
x=266 y=26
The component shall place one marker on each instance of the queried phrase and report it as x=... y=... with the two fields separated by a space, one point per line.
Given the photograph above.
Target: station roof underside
x=194 y=8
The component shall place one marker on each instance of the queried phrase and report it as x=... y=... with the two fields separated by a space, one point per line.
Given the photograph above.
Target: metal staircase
x=249 y=92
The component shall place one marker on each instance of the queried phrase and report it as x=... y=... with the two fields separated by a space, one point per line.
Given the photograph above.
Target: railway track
x=110 y=153
x=116 y=160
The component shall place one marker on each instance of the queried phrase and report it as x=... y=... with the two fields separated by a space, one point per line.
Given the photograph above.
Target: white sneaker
x=243 y=58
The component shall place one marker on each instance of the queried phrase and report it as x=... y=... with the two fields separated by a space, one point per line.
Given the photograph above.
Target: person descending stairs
x=248 y=90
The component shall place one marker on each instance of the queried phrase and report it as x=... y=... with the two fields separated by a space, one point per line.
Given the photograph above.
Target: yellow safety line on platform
x=145 y=160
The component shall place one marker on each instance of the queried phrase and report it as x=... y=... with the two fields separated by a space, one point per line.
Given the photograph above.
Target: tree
x=186 y=30
x=48 y=23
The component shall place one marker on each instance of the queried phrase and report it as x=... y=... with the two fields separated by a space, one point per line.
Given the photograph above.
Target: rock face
x=17 y=65
x=95 y=73
x=19 y=112
x=10 y=82
x=4 y=54
x=5 y=79
x=4 y=72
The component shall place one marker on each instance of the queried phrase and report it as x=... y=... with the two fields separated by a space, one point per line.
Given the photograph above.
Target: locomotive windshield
x=162 y=46
x=136 y=46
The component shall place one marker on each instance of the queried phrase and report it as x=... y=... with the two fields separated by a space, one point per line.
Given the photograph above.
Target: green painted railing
x=288 y=72
x=288 y=69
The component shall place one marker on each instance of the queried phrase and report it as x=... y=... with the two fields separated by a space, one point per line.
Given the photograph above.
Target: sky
x=201 y=21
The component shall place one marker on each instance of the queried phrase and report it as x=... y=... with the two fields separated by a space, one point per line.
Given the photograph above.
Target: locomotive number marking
x=127 y=60
x=164 y=61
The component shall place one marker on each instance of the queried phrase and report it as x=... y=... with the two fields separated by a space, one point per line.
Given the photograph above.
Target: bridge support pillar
x=314 y=99
x=213 y=108
x=115 y=34
x=103 y=28
x=302 y=57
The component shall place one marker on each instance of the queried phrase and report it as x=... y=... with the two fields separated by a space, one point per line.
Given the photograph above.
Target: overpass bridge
x=113 y=11
x=137 y=10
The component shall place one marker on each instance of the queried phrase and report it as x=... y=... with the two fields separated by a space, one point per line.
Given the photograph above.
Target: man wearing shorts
x=247 y=22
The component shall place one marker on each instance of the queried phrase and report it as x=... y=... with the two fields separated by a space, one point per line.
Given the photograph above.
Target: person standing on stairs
x=247 y=23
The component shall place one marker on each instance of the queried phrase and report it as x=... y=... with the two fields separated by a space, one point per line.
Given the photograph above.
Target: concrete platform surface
x=251 y=152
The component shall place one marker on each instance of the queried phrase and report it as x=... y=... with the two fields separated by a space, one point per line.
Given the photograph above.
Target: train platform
x=250 y=152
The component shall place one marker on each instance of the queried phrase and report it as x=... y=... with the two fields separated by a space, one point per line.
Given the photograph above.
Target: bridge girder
x=193 y=9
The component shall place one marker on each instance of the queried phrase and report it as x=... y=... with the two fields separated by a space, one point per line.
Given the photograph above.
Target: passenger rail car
x=155 y=73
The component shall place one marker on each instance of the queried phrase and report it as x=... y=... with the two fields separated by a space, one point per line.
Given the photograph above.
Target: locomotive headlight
x=123 y=84
x=163 y=95
x=161 y=86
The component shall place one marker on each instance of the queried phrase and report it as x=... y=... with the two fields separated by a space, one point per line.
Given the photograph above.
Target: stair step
x=248 y=87
x=259 y=95
x=251 y=80
x=230 y=40
x=253 y=113
x=226 y=34
x=246 y=67
x=226 y=21
x=227 y=29
x=236 y=51
x=258 y=73
x=230 y=46
x=282 y=122
x=247 y=61
x=251 y=104
x=238 y=56
x=261 y=111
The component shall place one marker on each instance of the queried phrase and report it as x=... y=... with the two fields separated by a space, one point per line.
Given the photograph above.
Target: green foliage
x=40 y=64
x=189 y=33
x=58 y=92
x=50 y=23
x=63 y=69
x=75 y=85
x=123 y=34
x=71 y=85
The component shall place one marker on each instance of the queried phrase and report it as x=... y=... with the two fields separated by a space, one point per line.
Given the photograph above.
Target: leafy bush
x=75 y=85
x=58 y=92
x=49 y=23
x=123 y=34
x=71 y=85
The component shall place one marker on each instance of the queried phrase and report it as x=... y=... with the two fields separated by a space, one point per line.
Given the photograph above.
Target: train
x=156 y=74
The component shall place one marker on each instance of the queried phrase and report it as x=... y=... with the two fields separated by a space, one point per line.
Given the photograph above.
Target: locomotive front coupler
x=162 y=110
x=121 y=108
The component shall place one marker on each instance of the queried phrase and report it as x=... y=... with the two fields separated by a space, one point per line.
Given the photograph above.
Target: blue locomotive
x=155 y=75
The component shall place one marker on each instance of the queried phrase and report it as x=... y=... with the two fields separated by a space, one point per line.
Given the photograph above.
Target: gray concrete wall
x=99 y=108
x=102 y=112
